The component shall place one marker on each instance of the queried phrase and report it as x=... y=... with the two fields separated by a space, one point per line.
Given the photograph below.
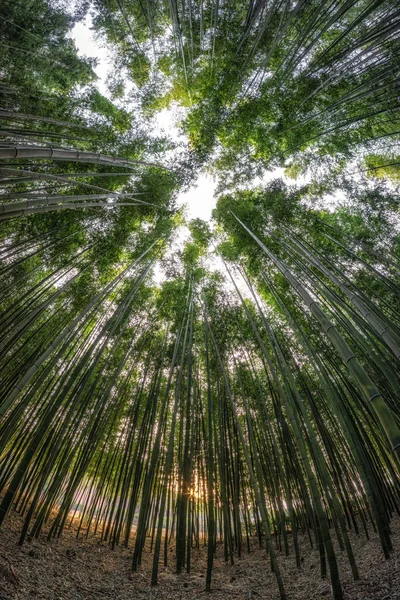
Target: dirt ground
x=86 y=569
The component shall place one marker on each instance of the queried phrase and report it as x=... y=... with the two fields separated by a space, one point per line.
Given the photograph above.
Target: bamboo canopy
x=254 y=388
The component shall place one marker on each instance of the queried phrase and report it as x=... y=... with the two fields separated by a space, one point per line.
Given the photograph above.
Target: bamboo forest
x=200 y=299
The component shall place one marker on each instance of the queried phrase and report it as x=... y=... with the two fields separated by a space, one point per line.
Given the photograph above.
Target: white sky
x=200 y=200
x=89 y=47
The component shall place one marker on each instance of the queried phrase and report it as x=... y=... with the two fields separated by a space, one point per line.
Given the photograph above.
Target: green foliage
x=383 y=166
x=201 y=234
x=139 y=67
x=118 y=117
x=254 y=386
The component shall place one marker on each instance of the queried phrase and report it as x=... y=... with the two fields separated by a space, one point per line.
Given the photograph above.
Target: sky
x=88 y=46
x=200 y=200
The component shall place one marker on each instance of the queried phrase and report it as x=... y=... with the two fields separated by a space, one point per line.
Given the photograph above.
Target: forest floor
x=87 y=569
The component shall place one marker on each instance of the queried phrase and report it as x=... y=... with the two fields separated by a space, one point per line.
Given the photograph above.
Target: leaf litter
x=71 y=568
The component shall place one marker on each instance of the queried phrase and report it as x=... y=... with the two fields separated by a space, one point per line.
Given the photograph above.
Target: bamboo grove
x=256 y=398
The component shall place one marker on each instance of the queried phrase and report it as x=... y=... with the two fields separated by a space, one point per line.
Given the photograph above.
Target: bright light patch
x=88 y=46
x=167 y=121
x=200 y=199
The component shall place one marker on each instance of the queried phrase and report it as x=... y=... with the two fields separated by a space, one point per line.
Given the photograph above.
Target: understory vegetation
x=186 y=381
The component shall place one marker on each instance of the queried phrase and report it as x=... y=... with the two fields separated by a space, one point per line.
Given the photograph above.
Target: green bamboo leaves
x=193 y=409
